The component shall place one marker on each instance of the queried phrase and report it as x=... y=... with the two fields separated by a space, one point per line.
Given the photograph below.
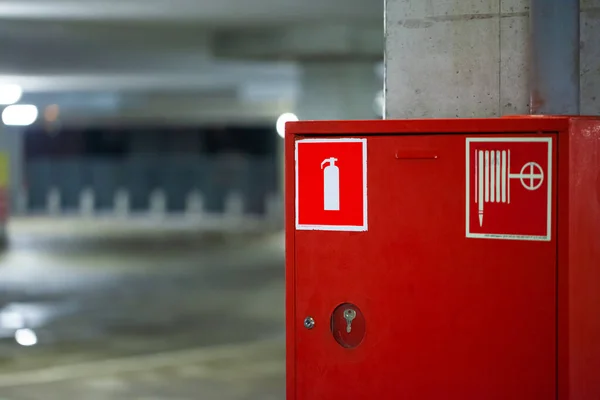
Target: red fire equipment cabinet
x=452 y=259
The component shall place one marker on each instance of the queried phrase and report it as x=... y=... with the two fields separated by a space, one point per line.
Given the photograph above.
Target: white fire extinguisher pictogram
x=331 y=185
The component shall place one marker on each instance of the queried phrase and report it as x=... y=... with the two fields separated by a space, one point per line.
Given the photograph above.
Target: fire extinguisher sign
x=509 y=188
x=331 y=184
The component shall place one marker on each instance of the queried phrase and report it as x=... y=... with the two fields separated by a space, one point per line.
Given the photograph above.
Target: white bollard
x=234 y=205
x=87 y=202
x=121 y=206
x=158 y=203
x=274 y=207
x=194 y=205
x=53 y=201
x=23 y=202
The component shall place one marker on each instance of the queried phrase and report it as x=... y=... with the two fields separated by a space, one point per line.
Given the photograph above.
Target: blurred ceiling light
x=11 y=320
x=26 y=337
x=20 y=115
x=282 y=120
x=10 y=94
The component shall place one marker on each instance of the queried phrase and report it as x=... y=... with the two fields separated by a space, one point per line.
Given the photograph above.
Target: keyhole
x=348 y=325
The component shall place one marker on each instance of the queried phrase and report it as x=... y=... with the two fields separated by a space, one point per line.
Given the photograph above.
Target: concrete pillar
x=469 y=58
x=338 y=90
x=589 y=60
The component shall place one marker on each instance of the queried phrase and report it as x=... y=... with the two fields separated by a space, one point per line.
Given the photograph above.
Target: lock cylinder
x=348 y=325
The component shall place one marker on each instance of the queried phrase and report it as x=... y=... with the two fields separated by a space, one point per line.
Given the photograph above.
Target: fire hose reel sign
x=509 y=188
x=331 y=184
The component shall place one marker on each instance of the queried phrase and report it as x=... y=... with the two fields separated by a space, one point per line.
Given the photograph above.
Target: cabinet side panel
x=563 y=266
x=290 y=267
x=584 y=259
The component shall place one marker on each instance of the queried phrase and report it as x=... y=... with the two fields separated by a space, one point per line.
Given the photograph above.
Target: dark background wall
x=216 y=162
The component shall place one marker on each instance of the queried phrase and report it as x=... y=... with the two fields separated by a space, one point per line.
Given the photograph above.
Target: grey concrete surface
x=178 y=315
x=470 y=58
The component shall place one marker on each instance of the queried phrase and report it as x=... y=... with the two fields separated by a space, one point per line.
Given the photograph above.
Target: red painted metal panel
x=583 y=277
x=448 y=316
x=439 y=126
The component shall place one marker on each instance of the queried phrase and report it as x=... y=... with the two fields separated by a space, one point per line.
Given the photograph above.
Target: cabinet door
x=445 y=316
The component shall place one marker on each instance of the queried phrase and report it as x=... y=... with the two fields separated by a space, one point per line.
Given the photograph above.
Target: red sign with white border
x=331 y=184
x=509 y=188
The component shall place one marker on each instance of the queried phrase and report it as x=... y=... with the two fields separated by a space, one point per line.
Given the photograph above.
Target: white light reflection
x=26 y=337
x=379 y=104
x=282 y=120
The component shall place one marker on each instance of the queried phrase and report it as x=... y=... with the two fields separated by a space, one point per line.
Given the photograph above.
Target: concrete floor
x=150 y=314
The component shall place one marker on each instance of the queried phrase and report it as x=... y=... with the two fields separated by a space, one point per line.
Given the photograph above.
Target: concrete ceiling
x=57 y=48
x=208 y=12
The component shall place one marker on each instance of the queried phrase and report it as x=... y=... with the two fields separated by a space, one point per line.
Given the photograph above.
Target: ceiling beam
x=210 y=76
x=210 y=12
x=302 y=42
x=203 y=111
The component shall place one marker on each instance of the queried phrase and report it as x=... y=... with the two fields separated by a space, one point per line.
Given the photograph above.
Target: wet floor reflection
x=66 y=300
